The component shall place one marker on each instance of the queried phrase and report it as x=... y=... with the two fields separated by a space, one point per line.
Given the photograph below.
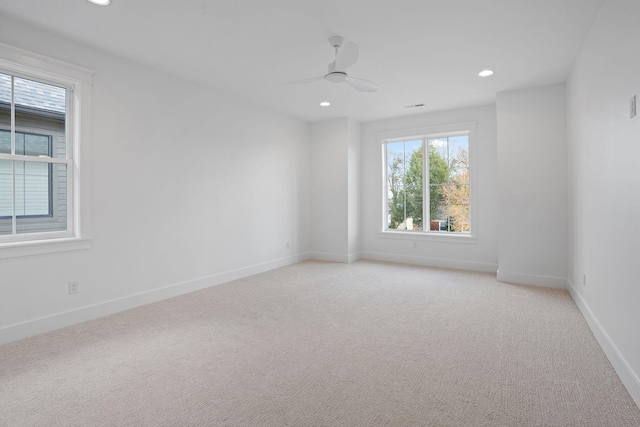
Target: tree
x=413 y=185
x=456 y=193
x=395 y=185
x=405 y=185
x=438 y=176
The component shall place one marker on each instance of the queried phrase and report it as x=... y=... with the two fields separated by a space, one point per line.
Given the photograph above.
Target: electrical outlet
x=287 y=245
x=415 y=245
x=584 y=279
x=74 y=287
x=633 y=106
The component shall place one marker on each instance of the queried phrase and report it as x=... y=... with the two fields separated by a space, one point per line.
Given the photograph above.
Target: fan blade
x=301 y=82
x=347 y=56
x=363 y=85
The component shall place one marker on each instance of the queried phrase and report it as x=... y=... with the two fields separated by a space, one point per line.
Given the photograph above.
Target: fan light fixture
x=485 y=73
x=325 y=104
x=101 y=2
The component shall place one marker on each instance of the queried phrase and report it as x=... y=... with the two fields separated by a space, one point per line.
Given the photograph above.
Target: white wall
x=329 y=190
x=354 y=186
x=482 y=255
x=335 y=195
x=604 y=178
x=532 y=159
x=189 y=187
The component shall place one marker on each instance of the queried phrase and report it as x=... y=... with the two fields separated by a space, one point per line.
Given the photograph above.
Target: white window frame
x=424 y=134
x=77 y=80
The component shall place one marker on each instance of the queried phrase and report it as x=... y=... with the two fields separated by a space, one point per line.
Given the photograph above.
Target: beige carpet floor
x=323 y=344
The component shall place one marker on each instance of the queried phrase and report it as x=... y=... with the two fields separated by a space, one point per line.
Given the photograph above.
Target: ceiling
x=419 y=51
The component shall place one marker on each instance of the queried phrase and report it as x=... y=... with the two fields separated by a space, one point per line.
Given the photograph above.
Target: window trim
x=425 y=133
x=78 y=81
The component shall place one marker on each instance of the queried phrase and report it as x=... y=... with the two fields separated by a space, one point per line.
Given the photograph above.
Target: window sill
x=430 y=237
x=39 y=247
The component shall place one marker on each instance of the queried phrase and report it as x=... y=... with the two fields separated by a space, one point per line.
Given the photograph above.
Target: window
x=427 y=183
x=30 y=167
x=43 y=207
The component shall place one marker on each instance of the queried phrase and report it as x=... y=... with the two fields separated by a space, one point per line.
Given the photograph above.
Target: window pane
x=40 y=118
x=5 y=138
x=41 y=197
x=33 y=145
x=39 y=96
x=459 y=220
x=5 y=113
x=449 y=184
x=459 y=159
x=438 y=207
x=32 y=188
x=438 y=161
x=6 y=198
x=26 y=144
x=459 y=208
x=395 y=184
x=413 y=185
x=404 y=185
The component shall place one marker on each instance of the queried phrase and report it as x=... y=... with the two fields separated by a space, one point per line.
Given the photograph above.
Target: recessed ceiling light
x=325 y=104
x=100 y=2
x=485 y=73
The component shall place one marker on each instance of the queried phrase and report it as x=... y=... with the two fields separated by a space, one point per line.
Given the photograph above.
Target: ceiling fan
x=346 y=56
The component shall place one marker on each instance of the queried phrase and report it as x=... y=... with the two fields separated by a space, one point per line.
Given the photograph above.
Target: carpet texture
x=324 y=344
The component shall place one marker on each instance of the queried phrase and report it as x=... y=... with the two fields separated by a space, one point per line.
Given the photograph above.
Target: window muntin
x=445 y=195
x=35 y=189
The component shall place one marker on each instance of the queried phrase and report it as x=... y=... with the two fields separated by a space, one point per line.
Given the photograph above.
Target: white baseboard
x=354 y=257
x=41 y=325
x=324 y=256
x=532 y=280
x=431 y=262
x=628 y=377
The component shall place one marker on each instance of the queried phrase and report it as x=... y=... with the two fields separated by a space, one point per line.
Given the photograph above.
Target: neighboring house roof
x=33 y=94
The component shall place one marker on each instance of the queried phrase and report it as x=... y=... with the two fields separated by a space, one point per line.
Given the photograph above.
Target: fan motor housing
x=336 y=77
x=336 y=41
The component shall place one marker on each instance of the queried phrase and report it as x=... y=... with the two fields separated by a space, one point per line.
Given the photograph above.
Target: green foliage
x=395 y=175
x=438 y=175
x=413 y=184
